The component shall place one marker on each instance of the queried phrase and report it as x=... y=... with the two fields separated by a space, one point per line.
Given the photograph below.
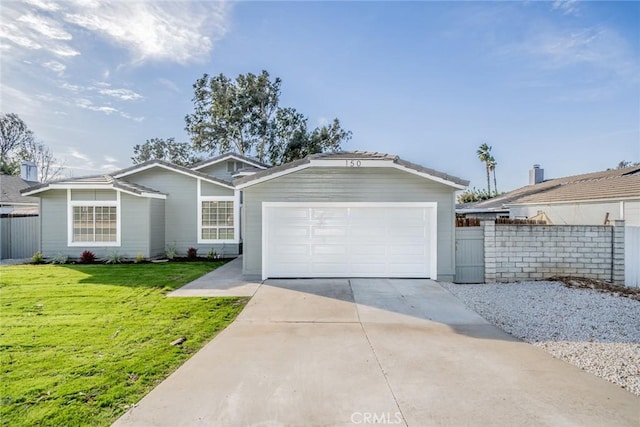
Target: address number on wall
x=353 y=163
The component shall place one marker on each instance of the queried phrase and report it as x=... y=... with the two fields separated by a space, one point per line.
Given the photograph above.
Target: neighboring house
x=12 y=202
x=345 y=214
x=588 y=199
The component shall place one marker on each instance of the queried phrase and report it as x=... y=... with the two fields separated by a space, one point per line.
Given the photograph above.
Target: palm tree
x=491 y=163
x=484 y=154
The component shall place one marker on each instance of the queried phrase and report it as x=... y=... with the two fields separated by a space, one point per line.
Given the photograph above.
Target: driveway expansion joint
x=375 y=355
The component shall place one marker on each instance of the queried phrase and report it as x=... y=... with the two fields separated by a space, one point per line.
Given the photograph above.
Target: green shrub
x=37 y=258
x=211 y=255
x=60 y=259
x=139 y=258
x=170 y=252
x=113 y=258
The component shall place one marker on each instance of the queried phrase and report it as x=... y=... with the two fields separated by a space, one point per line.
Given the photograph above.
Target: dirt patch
x=598 y=285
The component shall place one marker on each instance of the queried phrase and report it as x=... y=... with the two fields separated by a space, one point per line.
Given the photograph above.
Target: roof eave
x=561 y=202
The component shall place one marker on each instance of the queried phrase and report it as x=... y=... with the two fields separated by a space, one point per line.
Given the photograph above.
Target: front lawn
x=79 y=344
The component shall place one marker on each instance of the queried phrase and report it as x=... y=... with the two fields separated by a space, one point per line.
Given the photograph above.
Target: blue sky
x=554 y=83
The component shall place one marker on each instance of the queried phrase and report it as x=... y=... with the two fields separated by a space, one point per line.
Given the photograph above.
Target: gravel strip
x=595 y=331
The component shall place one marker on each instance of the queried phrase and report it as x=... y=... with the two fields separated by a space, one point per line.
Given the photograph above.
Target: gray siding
x=209 y=189
x=87 y=195
x=181 y=209
x=156 y=227
x=349 y=185
x=53 y=223
x=134 y=238
x=219 y=170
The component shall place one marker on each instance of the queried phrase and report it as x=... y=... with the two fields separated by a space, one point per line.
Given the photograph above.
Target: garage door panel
x=368 y=269
x=327 y=231
x=294 y=213
x=408 y=269
x=330 y=269
x=298 y=232
x=407 y=250
x=367 y=250
x=349 y=241
x=329 y=250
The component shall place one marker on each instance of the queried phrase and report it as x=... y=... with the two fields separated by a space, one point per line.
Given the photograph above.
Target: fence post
x=617 y=253
x=489 y=229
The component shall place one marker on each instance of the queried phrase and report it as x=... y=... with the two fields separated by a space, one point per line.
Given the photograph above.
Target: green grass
x=79 y=344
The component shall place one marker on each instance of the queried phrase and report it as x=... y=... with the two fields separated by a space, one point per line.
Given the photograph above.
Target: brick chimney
x=536 y=175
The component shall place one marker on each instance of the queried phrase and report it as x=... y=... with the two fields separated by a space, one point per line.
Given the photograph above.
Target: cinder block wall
x=533 y=252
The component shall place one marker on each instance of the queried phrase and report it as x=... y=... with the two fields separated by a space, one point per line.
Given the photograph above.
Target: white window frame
x=93 y=203
x=236 y=215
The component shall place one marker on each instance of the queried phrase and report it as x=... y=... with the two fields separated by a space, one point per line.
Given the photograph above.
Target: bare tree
x=49 y=167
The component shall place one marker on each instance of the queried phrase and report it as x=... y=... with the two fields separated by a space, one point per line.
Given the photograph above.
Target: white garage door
x=349 y=240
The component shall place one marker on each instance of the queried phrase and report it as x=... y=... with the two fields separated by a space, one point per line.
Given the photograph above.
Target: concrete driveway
x=343 y=352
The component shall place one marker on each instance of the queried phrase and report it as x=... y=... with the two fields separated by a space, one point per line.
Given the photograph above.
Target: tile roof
x=348 y=155
x=150 y=163
x=606 y=185
x=10 y=186
x=97 y=180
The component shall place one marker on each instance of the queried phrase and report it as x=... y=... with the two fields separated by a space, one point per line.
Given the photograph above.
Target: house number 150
x=353 y=163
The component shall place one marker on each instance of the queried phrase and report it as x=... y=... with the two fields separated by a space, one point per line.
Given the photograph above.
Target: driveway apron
x=338 y=352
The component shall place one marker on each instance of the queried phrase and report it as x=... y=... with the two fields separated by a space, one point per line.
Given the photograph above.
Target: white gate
x=632 y=256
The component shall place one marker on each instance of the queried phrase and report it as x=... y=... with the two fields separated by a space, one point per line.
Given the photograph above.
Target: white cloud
x=55 y=66
x=110 y=159
x=181 y=32
x=78 y=155
x=567 y=7
x=597 y=47
x=88 y=105
x=71 y=87
x=44 y=5
x=169 y=85
x=47 y=27
x=122 y=94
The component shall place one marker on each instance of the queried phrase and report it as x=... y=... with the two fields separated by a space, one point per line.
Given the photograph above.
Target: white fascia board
x=273 y=176
x=158 y=165
x=227 y=157
x=69 y=186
